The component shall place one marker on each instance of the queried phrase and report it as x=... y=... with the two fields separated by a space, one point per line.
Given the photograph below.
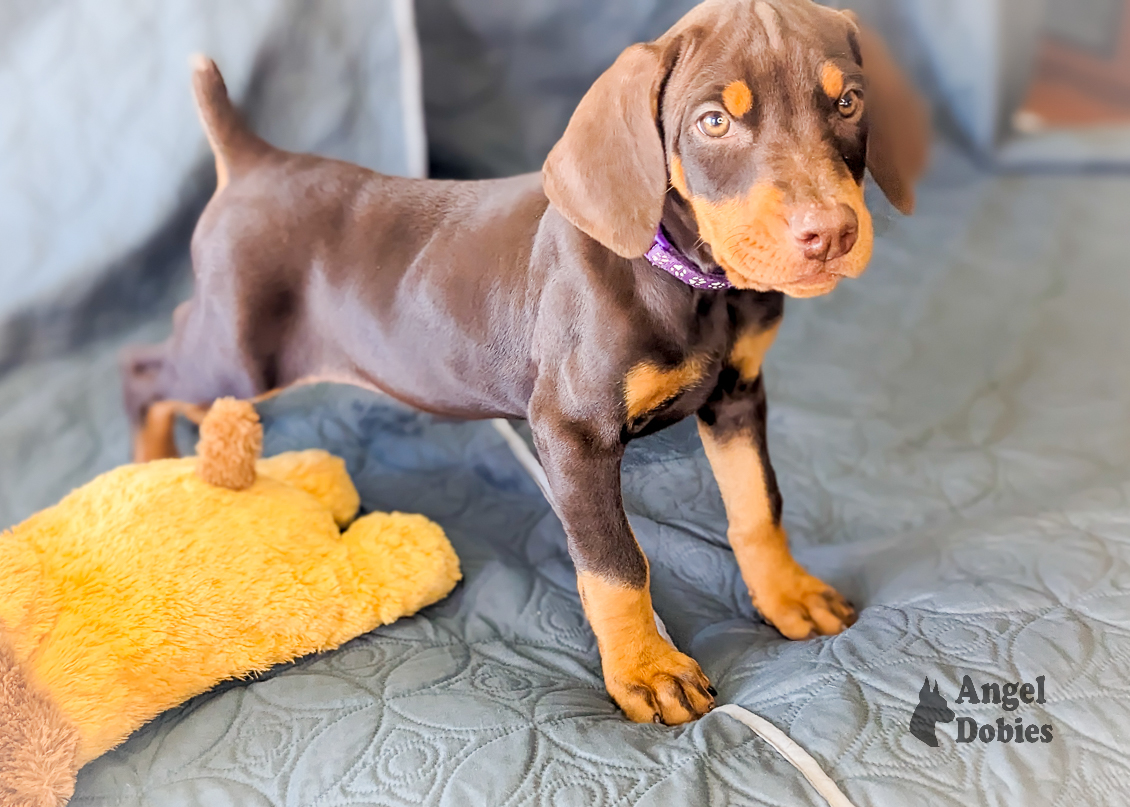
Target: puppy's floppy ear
x=898 y=120
x=608 y=173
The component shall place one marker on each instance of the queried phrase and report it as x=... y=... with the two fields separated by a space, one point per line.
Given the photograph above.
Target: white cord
x=663 y=629
x=799 y=758
x=523 y=454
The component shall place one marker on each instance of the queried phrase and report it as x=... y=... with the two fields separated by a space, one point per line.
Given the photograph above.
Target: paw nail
x=657 y=720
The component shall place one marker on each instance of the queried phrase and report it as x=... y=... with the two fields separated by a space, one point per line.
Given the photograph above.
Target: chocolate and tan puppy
x=638 y=280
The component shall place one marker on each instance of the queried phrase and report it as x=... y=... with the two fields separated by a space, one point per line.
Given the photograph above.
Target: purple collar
x=663 y=255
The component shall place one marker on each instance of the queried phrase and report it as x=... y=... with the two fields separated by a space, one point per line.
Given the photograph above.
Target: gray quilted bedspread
x=952 y=433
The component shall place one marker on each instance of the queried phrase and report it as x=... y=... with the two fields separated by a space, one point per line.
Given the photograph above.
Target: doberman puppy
x=740 y=137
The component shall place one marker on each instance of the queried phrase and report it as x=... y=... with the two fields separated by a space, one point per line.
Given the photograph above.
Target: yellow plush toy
x=155 y=582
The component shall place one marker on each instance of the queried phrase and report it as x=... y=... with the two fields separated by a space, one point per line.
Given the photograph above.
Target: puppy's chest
x=657 y=396
x=662 y=387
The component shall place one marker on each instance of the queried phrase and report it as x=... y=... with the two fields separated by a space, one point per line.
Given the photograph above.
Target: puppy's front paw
x=801 y=606
x=659 y=685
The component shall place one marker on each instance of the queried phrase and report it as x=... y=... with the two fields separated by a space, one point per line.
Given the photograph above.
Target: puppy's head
x=760 y=117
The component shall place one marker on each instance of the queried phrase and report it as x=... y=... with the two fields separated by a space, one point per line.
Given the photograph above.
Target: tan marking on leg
x=646 y=676
x=796 y=603
x=678 y=177
x=832 y=80
x=155 y=439
x=647 y=386
x=772 y=23
x=749 y=350
x=737 y=98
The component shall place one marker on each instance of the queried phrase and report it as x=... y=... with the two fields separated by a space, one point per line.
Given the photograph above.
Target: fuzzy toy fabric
x=154 y=582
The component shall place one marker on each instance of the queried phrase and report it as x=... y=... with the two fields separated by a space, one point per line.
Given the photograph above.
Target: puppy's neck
x=682 y=231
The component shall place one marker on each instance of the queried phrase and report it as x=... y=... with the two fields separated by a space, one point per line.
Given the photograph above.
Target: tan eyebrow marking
x=768 y=16
x=737 y=98
x=832 y=79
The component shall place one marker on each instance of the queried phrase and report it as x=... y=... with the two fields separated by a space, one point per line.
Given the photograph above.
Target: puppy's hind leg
x=143 y=369
x=196 y=365
x=181 y=376
x=152 y=417
x=156 y=439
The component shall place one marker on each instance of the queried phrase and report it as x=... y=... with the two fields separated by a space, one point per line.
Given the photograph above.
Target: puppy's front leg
x=648 y=678
x=732 y=426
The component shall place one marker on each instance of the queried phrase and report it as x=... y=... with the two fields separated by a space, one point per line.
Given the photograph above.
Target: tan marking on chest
x=647 y=386
x=748 y=353
x=738 y=98
x=832 y=80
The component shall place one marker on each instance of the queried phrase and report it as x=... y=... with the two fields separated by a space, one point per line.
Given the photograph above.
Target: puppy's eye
x=850 y=103
x=714 y=124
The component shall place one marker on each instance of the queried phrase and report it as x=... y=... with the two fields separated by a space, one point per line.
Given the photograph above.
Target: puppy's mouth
x=775 y=264
x=815 y=284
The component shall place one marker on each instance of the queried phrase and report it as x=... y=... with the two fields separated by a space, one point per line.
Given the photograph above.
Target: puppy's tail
x=236 y=147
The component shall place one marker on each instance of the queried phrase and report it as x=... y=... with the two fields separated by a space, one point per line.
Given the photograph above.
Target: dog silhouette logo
x=932 y=708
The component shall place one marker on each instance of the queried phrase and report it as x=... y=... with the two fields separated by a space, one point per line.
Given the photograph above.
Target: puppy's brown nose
x=825 y=233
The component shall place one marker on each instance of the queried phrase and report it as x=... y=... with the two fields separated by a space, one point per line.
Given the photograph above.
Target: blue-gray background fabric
x=952 y=434
x=502 y=77
x=103 y=165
